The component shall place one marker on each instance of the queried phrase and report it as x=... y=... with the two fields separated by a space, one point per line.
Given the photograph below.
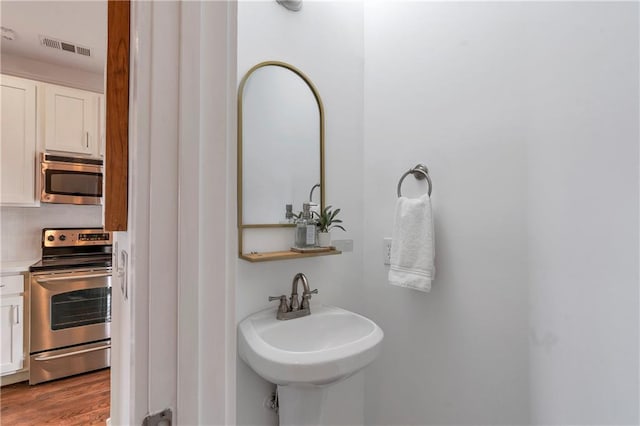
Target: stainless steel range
x=70 y=304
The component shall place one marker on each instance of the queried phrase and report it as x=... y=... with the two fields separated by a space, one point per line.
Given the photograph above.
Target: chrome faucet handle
x=283 y=303
x=305 y=298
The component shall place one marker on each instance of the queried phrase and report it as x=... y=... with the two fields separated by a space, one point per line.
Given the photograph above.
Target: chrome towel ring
x=419 y=172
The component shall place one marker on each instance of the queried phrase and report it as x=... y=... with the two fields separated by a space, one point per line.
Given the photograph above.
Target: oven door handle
x=84 y=351
x=72 y=277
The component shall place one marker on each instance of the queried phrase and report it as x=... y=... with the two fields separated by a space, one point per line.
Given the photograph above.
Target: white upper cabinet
x=18 y=142
x=71 y=121
x=102 y=119
x=36 y=115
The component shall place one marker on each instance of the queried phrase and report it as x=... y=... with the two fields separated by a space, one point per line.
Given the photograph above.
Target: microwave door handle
x=87 y=139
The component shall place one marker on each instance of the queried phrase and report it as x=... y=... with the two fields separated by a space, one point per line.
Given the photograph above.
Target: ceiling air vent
x=49 y=42
x=68 y=47
x=63 y=45
x=83 y=51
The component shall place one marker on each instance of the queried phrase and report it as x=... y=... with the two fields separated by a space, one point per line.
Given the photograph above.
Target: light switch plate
x=343 y=245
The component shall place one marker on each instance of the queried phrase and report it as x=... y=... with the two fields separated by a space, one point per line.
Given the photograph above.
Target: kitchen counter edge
x=16 y=266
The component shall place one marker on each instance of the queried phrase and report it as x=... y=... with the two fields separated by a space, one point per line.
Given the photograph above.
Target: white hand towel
x=412 y=246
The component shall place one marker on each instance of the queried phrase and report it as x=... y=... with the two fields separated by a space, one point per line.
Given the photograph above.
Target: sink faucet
x=294 y=309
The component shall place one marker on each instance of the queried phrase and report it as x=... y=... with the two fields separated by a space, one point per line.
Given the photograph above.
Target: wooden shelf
x=284 y=255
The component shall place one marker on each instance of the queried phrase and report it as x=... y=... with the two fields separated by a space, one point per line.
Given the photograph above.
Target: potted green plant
x=326 y=222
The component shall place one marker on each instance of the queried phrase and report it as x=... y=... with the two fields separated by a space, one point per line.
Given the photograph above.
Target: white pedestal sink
x=312 y=360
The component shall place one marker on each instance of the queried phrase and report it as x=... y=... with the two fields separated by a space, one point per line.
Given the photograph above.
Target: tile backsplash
x=21 y=227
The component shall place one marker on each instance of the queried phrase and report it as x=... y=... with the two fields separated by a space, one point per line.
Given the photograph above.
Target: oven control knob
x=51 y=238
x=62 y=237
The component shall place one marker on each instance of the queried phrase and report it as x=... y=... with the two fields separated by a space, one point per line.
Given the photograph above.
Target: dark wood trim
x=117 y=101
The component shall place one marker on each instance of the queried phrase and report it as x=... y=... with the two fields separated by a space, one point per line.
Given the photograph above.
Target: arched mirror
x=280 y=145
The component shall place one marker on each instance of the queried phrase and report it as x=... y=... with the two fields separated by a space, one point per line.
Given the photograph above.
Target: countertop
x=16 y=266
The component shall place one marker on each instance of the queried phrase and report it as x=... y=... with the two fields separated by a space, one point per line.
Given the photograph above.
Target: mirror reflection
x=280 y=143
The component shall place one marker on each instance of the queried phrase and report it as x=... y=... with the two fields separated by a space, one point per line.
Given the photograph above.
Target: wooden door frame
x=117 y=115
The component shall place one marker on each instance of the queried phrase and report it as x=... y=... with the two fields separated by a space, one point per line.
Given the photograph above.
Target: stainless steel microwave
x=70 y=180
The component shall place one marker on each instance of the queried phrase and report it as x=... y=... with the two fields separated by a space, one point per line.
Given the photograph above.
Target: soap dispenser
x=305 y=229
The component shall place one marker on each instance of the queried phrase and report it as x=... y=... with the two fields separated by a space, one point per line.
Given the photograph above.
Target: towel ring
x=419 y=172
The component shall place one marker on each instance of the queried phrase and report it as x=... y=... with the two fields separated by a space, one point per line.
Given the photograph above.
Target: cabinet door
x=102 y=120
x=71 y=124
x=11 y=333
x=18 y=141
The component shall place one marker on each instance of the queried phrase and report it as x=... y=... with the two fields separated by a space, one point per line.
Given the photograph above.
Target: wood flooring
x=73 y=401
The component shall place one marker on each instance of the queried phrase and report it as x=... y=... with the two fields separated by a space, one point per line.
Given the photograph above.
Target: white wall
x=324 y=40
x=581 y=101
x=441 y=89
x=527 y=116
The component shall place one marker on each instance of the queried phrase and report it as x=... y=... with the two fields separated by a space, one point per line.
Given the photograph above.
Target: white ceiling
x=77 y=22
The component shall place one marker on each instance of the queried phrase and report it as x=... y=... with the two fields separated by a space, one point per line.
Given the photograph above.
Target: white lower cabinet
x=11 y=324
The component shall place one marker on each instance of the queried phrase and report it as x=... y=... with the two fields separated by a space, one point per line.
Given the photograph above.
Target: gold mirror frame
x=241 y=225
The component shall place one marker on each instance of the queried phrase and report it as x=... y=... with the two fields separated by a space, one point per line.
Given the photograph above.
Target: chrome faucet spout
x=305 y=283
x=295 y=302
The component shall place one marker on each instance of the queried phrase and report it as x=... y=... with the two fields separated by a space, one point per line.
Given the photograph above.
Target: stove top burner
x=72 y=262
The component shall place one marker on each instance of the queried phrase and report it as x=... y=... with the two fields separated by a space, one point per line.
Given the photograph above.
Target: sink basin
x=324 y=347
